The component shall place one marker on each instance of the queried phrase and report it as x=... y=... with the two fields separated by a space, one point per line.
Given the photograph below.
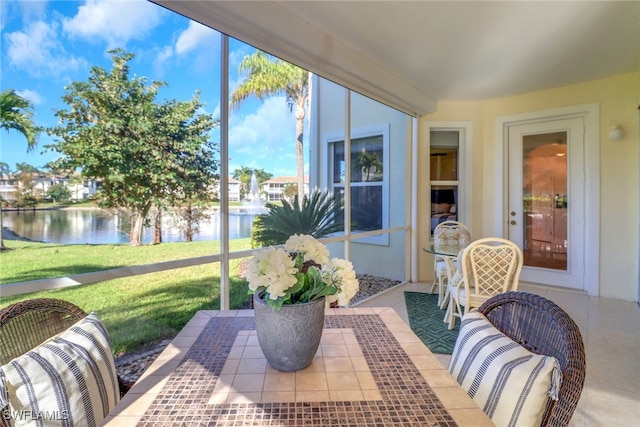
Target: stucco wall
x=618 y=100
x=388 y=259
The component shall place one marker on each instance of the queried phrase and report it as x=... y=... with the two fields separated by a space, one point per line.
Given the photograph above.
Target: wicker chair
x=27 y=324
x=447 y=233
x=486 y=267
x=543 y=328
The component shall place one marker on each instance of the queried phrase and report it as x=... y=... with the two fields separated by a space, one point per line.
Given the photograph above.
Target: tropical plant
x=300 y=272
x=368 y=162
x=59 y=193
x=145 y=153
x=317 y=217
x=269 y=76
x=16 y=113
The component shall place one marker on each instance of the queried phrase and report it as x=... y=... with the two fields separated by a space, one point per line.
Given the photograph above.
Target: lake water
x=93 y=226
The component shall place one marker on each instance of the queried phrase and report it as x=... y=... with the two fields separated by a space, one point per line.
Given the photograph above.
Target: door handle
x=512 y=222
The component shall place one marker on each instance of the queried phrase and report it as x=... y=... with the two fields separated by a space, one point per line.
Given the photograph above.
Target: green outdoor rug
x=425 y=319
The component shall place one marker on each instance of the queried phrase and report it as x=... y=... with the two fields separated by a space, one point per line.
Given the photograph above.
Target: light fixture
x=616 y=133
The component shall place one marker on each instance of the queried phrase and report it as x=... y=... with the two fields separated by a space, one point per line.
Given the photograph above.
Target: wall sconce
x=616 y=133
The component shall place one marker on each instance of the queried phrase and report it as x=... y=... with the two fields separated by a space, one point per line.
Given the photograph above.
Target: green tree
x=144 y=153
x=59 y=193
x=25 y=168
x=16 y=113
x=26 y=199
x=268 y=76
x=290 y=191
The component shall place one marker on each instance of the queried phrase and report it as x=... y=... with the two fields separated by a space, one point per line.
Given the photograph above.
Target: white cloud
x=266 y=138
x=161 y=59
x=38 y=51
x=196 y=34
x=32 y=96
x=198 y=39
x=25 y=11
x=114 y=21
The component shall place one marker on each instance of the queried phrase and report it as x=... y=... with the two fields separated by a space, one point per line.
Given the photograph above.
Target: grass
x=136 y=310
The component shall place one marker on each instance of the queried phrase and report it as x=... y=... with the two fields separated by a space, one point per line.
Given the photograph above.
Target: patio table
x=370 y=370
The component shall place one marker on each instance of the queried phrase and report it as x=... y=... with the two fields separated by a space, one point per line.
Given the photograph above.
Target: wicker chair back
x=543 y=328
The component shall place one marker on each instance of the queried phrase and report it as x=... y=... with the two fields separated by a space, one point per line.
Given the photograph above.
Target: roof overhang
x=275 y=29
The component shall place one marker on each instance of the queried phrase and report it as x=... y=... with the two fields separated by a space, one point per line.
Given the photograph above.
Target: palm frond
x=316 y=217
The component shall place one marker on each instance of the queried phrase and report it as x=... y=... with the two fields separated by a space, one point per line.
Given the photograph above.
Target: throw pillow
x=68 y=380
x=509 y=383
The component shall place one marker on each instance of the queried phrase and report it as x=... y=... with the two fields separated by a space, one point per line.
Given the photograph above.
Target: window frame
x=377 y=130
x=465 y=170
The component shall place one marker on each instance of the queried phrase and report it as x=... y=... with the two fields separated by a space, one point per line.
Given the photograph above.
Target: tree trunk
x=299 y=150
x=157 y=228
x=137 y=225
x=1 y=227
x=189 y=226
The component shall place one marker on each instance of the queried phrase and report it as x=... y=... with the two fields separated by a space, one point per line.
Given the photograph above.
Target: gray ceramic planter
x=289 y=337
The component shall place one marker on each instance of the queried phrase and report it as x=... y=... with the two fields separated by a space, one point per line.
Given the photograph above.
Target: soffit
x=410 y=54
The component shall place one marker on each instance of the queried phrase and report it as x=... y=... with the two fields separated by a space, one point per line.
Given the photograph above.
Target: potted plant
x=291 y=287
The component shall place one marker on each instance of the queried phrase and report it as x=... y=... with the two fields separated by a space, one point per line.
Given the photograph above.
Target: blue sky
x=45 y=45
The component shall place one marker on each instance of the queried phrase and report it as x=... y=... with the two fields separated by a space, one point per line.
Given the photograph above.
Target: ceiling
x=411 y=54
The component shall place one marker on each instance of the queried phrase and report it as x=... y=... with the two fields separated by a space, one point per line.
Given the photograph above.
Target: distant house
x=8 y=185
x=234 y=190
x=80 y=189
x=274 y=187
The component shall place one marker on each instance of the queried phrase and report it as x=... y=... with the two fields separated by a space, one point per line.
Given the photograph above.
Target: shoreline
x=66 y=208
x=8 y=234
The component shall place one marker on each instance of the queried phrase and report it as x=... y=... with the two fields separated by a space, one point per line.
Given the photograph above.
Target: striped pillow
x=67 y=380
x=510 y=384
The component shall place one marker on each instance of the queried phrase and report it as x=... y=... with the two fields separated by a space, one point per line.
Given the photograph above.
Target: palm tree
x=16 y=113
x=368 y=161
x=244 y=176
x=318 y=216
x=267 y=76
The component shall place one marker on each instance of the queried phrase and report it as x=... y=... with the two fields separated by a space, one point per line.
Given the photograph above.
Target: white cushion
x=509 y=383
x=69 y=377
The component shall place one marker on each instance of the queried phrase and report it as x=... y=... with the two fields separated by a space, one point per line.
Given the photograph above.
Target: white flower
x=309 y=246
x=340 y=272
x=272 y=269
x=278 y=272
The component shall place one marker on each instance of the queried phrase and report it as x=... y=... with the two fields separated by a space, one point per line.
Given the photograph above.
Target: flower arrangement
x=301 y=272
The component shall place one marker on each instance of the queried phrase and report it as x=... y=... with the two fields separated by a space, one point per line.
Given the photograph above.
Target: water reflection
x=93 y=226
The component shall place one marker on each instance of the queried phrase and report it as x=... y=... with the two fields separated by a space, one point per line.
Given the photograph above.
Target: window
x=443 y=166
x=368 y=178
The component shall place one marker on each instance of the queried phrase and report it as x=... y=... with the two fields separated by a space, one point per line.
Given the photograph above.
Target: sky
x=45 y=45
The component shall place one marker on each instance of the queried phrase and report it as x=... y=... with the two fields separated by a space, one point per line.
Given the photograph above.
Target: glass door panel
x=544 y=193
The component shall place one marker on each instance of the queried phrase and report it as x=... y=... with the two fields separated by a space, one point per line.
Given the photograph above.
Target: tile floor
x=611 y=334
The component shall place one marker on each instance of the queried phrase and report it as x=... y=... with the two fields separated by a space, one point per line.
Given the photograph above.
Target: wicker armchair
x=27 y=324
x=543 y=328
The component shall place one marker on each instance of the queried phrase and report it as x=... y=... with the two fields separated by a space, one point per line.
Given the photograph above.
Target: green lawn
x=136 y=310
